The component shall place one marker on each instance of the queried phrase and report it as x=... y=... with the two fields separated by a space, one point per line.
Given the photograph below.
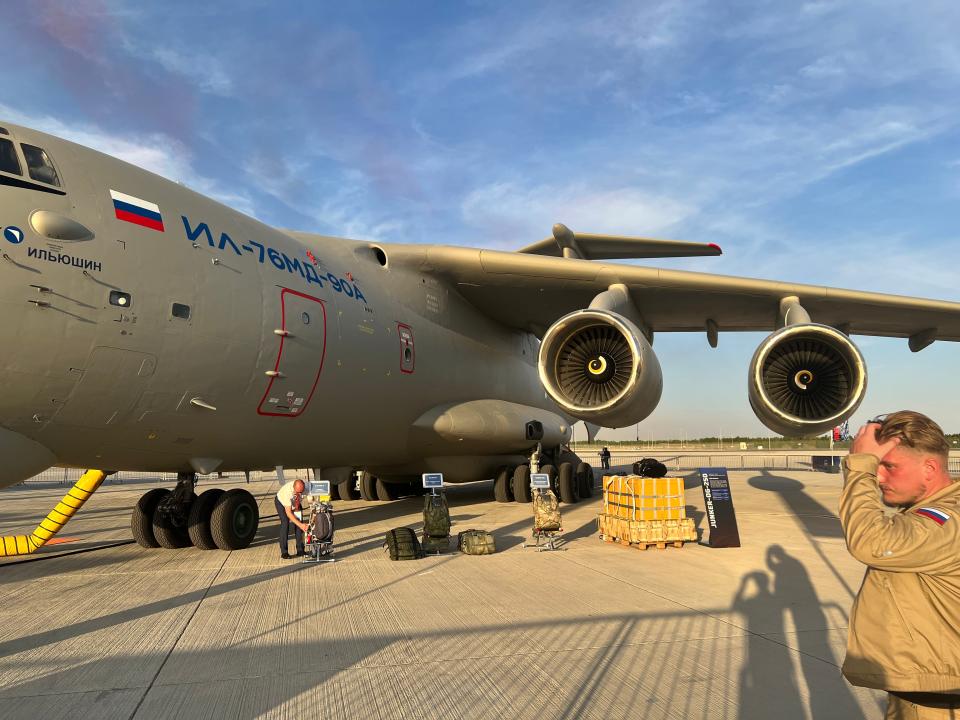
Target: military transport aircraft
x=147 y=327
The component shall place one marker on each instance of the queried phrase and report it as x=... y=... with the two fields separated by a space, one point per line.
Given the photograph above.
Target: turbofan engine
x=598 y=366
x=806 y=379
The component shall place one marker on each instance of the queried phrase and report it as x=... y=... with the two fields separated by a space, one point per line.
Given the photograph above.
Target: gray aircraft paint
x=89 y=384
x=100 y=385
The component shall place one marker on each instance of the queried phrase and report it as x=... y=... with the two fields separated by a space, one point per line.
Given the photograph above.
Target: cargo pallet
x=642 y=546
x=644 y=512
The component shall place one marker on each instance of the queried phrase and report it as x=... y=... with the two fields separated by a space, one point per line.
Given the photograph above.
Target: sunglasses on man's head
x=879 y=419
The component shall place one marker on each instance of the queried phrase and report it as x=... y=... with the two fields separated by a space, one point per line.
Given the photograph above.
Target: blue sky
x=815 y=142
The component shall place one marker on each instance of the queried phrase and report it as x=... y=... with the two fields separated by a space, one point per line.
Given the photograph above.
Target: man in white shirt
x=287 y=502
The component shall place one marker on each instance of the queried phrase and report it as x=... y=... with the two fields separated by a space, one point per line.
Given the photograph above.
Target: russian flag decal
x=935 y=514
x=134 y=210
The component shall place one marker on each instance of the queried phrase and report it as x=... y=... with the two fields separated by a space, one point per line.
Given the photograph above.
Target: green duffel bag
x=435 y=544
x=476 y=542
x=402 y=544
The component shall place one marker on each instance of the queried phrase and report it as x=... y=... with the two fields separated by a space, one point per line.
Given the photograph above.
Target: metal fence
x=68 y=476
x=621 y=460
x=687 y=462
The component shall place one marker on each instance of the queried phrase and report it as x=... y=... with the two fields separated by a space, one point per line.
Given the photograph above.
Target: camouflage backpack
x=546 y=511
x=436 y=516
x=402 y=544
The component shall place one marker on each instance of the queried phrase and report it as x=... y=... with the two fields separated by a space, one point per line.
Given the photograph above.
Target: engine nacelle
x=598 y=366
x=806 y=379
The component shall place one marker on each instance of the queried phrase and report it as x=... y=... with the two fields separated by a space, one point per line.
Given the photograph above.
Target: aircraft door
x=301 y=338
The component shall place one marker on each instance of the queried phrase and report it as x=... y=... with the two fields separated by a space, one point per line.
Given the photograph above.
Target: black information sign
x=719 y=504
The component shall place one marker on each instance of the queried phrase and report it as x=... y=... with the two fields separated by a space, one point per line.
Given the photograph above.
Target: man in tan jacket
x=905 y=623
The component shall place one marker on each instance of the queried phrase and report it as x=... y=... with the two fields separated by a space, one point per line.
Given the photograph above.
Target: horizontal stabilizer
x=586 y=246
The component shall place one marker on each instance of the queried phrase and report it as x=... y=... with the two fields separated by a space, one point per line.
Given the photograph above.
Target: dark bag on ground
x=402 y=544
x=649 y=467
x=476 y=542
x=322 y=529
x=435 y=544
x=436 y=516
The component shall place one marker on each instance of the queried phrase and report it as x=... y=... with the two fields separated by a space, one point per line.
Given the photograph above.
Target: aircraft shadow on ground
x=679 y=679
x=817 y=519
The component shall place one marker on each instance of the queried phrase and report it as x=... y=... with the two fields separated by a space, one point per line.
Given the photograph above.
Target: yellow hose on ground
x=56 y=519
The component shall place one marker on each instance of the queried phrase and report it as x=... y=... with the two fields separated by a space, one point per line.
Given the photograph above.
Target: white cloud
x=514 y=215
x=203 y=71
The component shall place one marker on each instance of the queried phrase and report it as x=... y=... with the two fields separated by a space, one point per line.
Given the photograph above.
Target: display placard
x=719 y=504
x=540 y=481
x=432 y=480
x=318 y=488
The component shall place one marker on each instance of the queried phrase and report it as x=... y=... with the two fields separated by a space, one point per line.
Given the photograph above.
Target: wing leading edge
x=530 y=292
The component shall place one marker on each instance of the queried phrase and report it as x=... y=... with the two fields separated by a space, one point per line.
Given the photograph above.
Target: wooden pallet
x=643 y=546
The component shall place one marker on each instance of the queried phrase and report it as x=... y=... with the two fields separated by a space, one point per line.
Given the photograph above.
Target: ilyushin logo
x=13 y=234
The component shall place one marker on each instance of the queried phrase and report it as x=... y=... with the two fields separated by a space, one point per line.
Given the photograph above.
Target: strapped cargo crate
x=643 y=511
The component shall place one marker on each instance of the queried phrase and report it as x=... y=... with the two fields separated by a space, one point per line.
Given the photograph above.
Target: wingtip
x=716 y=247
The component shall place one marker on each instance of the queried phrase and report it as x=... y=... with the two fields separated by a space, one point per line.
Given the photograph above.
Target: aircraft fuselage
x=194 y=331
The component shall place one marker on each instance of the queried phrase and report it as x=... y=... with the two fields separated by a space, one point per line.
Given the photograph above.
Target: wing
x=529 y=292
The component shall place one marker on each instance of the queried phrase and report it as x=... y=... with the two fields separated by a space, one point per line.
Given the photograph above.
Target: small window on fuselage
x=8 y=158
x=39 y=165
x=181 y=311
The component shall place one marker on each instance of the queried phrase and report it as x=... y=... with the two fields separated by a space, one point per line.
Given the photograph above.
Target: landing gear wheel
x=386 y=491
x=198 y=523
x=234 y=520
x=568 y=484
x=348 y=489
x=368 y=486
x=169 y=534
x=141 y=519
x=334 y=491
x=551 y=472
x=521 y=484
x=503 y=486
x=585 y=479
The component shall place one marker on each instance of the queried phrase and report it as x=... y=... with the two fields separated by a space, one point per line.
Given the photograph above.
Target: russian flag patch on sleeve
x=134 y=210
x=935 y=514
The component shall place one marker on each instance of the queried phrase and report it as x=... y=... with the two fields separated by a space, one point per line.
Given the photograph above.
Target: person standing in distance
x=287 y=501
x=904 y=632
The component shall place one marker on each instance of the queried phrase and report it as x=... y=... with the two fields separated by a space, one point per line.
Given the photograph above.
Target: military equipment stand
x=546 y=515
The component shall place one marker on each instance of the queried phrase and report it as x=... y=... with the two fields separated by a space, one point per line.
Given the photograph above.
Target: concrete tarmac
x=594 y=631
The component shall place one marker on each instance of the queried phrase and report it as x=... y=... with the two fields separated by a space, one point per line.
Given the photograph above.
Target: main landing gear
x=224 y=519
x=572 y=480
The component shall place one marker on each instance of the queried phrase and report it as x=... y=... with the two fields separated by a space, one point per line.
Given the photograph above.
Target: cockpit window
x=8 y=158
x=39 y=164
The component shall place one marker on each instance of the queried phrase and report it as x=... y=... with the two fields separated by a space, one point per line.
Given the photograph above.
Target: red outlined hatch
x=302 y=337
x=408 y=355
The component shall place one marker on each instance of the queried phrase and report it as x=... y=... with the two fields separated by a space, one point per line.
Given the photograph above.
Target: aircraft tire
x=585 y=478
x=521 y=484
x=568 y=484
x=169 y=535
x=141 y=519
x=503 y=486
x=348 y=489
x=198 y=524
x=551 y=472
x=368 y=486
x=386 y=491
x=334 y=491
x=234 y=520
